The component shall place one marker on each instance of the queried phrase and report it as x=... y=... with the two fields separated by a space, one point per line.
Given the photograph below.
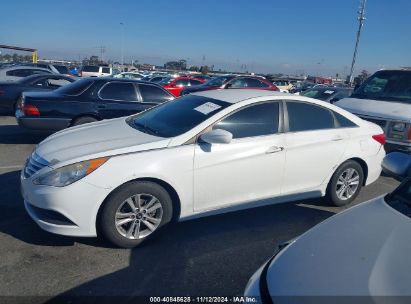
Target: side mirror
x=217 y=136
x=397 y=165
x=333 y=100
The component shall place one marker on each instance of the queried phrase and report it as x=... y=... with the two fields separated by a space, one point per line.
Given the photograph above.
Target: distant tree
x=94 y=60
x=194 y=68
x=361 y=78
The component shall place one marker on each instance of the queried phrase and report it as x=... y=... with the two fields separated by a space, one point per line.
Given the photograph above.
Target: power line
x=361 y=19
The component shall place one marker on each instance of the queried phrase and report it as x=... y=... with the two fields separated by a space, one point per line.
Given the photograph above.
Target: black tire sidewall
x=112 y=203
x=331 y=191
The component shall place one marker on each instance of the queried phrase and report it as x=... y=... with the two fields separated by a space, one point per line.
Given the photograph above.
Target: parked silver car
x=363 y=253
x=15 y=73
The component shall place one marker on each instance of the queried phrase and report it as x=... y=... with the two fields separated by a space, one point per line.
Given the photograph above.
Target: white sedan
x=201 y=154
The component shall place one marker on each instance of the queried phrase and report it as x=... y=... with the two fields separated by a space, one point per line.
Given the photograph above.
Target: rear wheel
x=135 y=213
x=83 y=120
x=345 y=184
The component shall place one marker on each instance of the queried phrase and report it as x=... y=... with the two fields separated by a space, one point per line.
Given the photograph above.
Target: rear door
x=314 y=146
x=118 y=99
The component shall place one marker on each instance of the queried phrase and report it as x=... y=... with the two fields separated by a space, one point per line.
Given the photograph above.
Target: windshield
x=320 y=94
x=75 y=88
x=176 y=117
x=400 y=198
x=219 y=81
x=387 y=86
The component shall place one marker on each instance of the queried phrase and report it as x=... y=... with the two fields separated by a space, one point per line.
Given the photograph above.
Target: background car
x=361 y=253
x=156 y=79
x=176 y=85
x=17 y=72
x=10 y=92
x=95 y=71
x=130 y=75
x=282 y=85
x=385 y=99
x=328 y=94
x=201 y=154
x=87 y=100
x=233 y=82
x=301 y=87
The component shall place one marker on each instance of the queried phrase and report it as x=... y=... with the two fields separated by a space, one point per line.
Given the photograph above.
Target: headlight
x=69 y=174
x=398 y=126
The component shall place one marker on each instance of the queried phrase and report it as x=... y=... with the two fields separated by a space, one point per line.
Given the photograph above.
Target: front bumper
x=70 y=210
x=41 y=123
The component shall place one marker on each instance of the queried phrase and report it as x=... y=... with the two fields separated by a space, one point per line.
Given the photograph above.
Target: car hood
x=363 y=251
x=376 y=108
x=93 y=140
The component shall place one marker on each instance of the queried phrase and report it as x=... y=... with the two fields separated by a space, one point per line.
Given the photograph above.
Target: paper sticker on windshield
x=328 y=92
x=207 y=108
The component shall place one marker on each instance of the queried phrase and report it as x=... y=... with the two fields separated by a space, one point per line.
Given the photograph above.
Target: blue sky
x=315 y=37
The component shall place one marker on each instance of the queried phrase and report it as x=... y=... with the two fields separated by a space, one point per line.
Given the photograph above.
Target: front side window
x=176 y=117
x=256 y=120
x=238 y=83
x=151 y=93
x=307 y=117
x=91 y=68
x=105 y=70
x=121 y=91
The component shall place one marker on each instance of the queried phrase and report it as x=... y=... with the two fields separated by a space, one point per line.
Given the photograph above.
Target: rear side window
x=343 y=121
x=256 y=120
x=106 y=70
x=122 y=91
x=90 y=68
x=151 y=93
x=307 y=117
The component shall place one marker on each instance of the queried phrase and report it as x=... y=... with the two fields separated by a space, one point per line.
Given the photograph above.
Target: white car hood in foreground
x=376 y=108
x=104 y=138
x=364 y=251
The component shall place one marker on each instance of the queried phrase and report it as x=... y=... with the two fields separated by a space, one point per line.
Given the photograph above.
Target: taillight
x=30 y=110
x=379 y=138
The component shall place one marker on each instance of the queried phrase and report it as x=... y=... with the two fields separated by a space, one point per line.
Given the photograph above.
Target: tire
x=337 y=191
x=118 y=203
x=83 y=120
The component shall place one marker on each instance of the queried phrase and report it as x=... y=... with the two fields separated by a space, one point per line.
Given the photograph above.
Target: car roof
x=120 y=80
x=237 y=95
x=26 y=67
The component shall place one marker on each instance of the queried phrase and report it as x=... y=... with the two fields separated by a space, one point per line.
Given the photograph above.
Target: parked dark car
x=232 y=82
x=328 y=94
x=88 y=100
x=10 y=92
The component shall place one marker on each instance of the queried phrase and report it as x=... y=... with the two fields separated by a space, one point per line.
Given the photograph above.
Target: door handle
x=274 y=149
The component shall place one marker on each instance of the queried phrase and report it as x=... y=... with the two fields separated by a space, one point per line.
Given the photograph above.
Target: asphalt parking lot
x=213 y=256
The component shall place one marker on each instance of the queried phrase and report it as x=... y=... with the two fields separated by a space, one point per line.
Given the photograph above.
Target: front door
x=249 y=168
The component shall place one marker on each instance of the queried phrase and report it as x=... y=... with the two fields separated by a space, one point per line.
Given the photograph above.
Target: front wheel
x=134 y=213
x=345 y=184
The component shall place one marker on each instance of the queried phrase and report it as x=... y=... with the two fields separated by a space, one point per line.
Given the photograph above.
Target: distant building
x=176 y=65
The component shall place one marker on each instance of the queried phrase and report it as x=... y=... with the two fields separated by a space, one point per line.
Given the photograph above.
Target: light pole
x=122 y=46
x=361 y=18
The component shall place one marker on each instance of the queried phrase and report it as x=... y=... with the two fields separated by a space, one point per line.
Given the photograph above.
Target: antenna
x=361 y=19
